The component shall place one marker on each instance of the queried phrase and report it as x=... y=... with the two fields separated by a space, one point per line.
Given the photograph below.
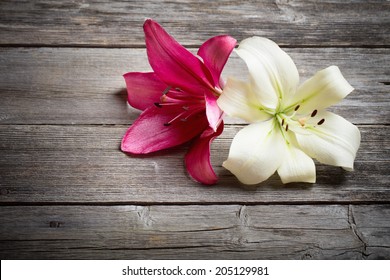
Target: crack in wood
x=242 y=215
x=145 y=249
x=143 y=213
x=202 y=230
x=357 y=234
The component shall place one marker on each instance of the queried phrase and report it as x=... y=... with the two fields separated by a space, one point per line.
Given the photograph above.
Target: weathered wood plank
x=192 y=231
x=140 y=232
x=85 y=86
x=60 y=164
x=119 y=23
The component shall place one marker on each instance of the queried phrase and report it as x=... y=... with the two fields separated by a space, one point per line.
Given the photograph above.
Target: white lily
x=288 y=124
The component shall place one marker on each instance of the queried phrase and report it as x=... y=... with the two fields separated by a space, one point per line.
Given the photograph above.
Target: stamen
x=183 y=116
x=321 y=122
x=296 y=108
x=185 y=105
x=286 y=127
x=166 y=90
x=313 y=113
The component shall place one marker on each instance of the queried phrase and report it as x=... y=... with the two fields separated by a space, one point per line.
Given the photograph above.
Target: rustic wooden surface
x=66 y=190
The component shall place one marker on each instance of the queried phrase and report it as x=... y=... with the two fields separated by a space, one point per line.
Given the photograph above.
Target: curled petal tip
x=147 y=20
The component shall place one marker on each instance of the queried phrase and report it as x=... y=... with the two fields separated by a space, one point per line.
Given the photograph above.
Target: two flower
x=182 y=100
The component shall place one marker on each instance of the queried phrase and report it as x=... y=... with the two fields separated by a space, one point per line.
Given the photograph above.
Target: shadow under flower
x=127 y=113
x=330 y=176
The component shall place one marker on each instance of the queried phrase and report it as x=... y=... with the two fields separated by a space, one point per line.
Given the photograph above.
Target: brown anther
x=166 y=90
x=158 y=105
x=167 y=124
x=286 y=127
x=321 y=122
x=282 y=122
x=296 y=108
x=313 y=113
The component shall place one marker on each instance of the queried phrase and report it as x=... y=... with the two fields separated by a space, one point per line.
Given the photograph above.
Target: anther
x=321 y=122
x=296 y=108
x=166 y=90
x=167 y=124
x=313 y=113
x=286 y=127
x=282 y=122
x=158 y=105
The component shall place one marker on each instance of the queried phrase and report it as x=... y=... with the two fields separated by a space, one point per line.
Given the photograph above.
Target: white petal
x=256 y=152
x=238 y=100
x=325 y=88
x=273 y=74
x=296 y=166
x=335 y=142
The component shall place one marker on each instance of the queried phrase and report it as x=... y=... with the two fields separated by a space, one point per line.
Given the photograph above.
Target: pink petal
x=197 y=160
x=143 y=89
x=213 y=112
x=215 y=52
x=173 y=63
x=148 y=133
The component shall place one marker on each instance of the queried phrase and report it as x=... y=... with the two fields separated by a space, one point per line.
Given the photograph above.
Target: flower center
x=295 y=120
x=182 y=104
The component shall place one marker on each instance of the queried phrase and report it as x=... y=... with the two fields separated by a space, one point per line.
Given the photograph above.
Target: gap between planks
x=216 y=203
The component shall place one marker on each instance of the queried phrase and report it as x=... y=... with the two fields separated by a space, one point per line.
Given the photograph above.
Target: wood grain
x=85 y=86
x=76 y=164
x=119 y=23
x=193 y=232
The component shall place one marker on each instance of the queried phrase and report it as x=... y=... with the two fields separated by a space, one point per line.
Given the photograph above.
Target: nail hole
x=4 y=191
x=55 y=224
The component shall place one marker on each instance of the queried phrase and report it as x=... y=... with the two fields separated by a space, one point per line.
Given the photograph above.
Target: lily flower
x=289 y=124
x=178 y=99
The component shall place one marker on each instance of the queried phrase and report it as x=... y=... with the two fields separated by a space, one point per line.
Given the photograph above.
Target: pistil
x=286 y=121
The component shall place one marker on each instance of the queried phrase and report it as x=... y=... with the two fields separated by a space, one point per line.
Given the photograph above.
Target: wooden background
x=67 y=191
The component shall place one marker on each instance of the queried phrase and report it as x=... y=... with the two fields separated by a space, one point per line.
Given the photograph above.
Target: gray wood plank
x=80 y=164
x=119 y=23
x=191 y=232
x=85 y=86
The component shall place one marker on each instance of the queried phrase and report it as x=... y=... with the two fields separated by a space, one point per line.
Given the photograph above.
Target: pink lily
x=178 y=99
